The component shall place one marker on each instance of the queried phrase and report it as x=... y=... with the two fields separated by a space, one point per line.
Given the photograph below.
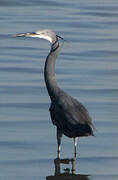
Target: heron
x=69 y=116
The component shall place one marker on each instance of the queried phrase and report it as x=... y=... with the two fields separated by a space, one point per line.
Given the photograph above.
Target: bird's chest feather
x=62 y=111
x=68 y=110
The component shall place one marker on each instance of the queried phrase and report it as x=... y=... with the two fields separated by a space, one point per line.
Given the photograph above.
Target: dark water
x=87 y=68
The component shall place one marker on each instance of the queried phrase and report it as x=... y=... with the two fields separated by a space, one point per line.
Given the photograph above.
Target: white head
x=45 y=34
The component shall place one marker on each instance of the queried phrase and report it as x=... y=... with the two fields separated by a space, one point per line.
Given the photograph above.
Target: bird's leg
x=75 y=146
x=59 y=137
x=73 y=165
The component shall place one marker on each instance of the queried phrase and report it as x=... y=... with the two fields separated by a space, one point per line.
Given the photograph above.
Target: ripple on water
x=87 y=69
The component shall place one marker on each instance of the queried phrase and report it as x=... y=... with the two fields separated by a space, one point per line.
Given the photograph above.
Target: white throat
x=43 y=37
x=46 y=37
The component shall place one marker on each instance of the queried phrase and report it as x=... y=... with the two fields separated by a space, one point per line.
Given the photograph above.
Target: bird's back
x=70 y=116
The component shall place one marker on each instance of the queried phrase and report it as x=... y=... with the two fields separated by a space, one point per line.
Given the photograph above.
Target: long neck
x=49 y=71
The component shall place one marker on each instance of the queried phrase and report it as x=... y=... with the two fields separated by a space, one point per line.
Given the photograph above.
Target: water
x=87 y=68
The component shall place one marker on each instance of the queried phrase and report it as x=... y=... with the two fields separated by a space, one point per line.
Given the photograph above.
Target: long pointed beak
x=32 y=34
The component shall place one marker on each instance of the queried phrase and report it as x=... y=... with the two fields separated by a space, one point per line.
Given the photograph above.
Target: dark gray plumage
x=69 y=116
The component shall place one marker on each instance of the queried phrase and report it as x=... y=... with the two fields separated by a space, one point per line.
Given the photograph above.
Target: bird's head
x=45 y=34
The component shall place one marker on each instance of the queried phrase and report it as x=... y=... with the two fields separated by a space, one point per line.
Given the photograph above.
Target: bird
x=69 y=116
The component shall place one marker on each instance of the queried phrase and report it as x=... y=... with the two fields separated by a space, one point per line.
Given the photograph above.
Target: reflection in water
x=69 y=173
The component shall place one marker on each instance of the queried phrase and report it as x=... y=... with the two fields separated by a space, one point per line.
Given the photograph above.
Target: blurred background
x=87 y=69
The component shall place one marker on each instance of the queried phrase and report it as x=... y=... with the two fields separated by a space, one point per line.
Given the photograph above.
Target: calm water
x=87 y=69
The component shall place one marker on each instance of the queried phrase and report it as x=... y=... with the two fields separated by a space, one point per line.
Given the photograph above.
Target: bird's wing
x=79 y=112
x=68 y=111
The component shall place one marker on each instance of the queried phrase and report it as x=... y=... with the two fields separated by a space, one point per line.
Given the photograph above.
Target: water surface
x=87 y=69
